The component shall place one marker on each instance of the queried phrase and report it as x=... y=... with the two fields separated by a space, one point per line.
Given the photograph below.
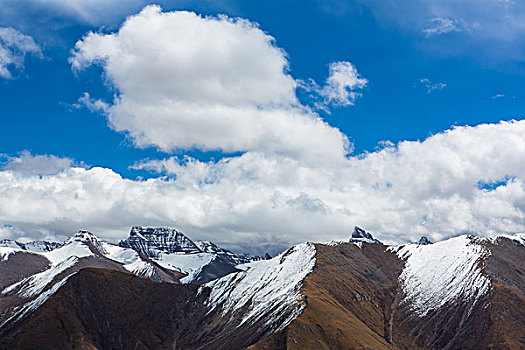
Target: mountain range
x=158 y=289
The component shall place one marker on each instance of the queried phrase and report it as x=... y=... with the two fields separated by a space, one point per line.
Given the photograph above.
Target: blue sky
x=429 y=67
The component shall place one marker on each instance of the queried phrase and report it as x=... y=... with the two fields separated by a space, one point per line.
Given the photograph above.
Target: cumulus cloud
x=213 y=83
x=341 y=87
x=467 y=179
x=430 y=86
x=14 y=47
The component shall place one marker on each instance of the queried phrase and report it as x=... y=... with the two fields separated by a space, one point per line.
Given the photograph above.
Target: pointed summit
x=424 y=241
x=360 y=235
x=81 y=236
x=88 y=239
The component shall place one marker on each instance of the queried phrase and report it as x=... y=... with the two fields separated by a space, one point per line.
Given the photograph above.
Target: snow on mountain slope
x=72 y=248
x=443 y=272
x=210 y=247
x=34 y=285
x=61 y=259
x=8 y=243
x=141 y=268
x=266 y=286
x=35 y=303
x=190 y=264
x=6 y=251
x=41 y=246
x=518 y=237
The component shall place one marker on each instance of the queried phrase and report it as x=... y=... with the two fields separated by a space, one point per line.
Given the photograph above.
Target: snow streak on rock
x=34 y=304
x=443 y=272
x=34 y=285
x=266 y=287
x=6 y=251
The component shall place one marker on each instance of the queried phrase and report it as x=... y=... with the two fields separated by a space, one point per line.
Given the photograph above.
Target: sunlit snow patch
x=443 y=272
x=266 y=286
x=5 y=252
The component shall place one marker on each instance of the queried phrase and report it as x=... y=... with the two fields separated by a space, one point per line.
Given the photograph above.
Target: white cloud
x=430 y=86
x=28 y=164
x=93 y=105
x=14 y=47
x=208 y=83
x=341 y=86
x=435 y=187
x=497 y=96
x=440 y=26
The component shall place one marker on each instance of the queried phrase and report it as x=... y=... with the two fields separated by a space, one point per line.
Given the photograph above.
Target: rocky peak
x=89 y=239
x=152 y=241
x=360 y=235
x=83 y=236
x=209 y=247
x=424 y=241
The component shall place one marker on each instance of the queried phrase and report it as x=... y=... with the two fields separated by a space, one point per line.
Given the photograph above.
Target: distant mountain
x=424 y=241
x=201 y=261
x=361 y=236
x=153 y=242
x=35 y=246
x=463 y=293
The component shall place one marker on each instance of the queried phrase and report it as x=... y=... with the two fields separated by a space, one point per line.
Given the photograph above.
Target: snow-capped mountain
x=35 y=246
x=201 y=261
x=361 y=236
x=462 y=293
x=153 y=242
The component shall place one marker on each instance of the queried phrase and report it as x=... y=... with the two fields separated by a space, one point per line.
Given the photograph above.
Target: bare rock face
x=153 y=241
x=359 y=235
x=424 y=241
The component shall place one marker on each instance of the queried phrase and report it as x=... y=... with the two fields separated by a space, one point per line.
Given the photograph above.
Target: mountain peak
x=360 y=235
x=82 y=236
x=424 y=241
x=153 y=241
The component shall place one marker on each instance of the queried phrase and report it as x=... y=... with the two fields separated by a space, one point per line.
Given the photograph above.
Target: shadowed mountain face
x=464 y=293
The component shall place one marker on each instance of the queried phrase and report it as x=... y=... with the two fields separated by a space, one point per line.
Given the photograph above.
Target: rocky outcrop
x=424 y=241
x=359 y=236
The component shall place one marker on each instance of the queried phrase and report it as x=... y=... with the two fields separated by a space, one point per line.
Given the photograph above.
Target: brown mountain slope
x=19 y=265
x=353 y=303
x=103 y=309
x=352 y=298
x=496 y=321
x=349 y=299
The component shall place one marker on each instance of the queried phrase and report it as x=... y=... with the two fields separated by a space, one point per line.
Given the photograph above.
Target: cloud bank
x=467 y=179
